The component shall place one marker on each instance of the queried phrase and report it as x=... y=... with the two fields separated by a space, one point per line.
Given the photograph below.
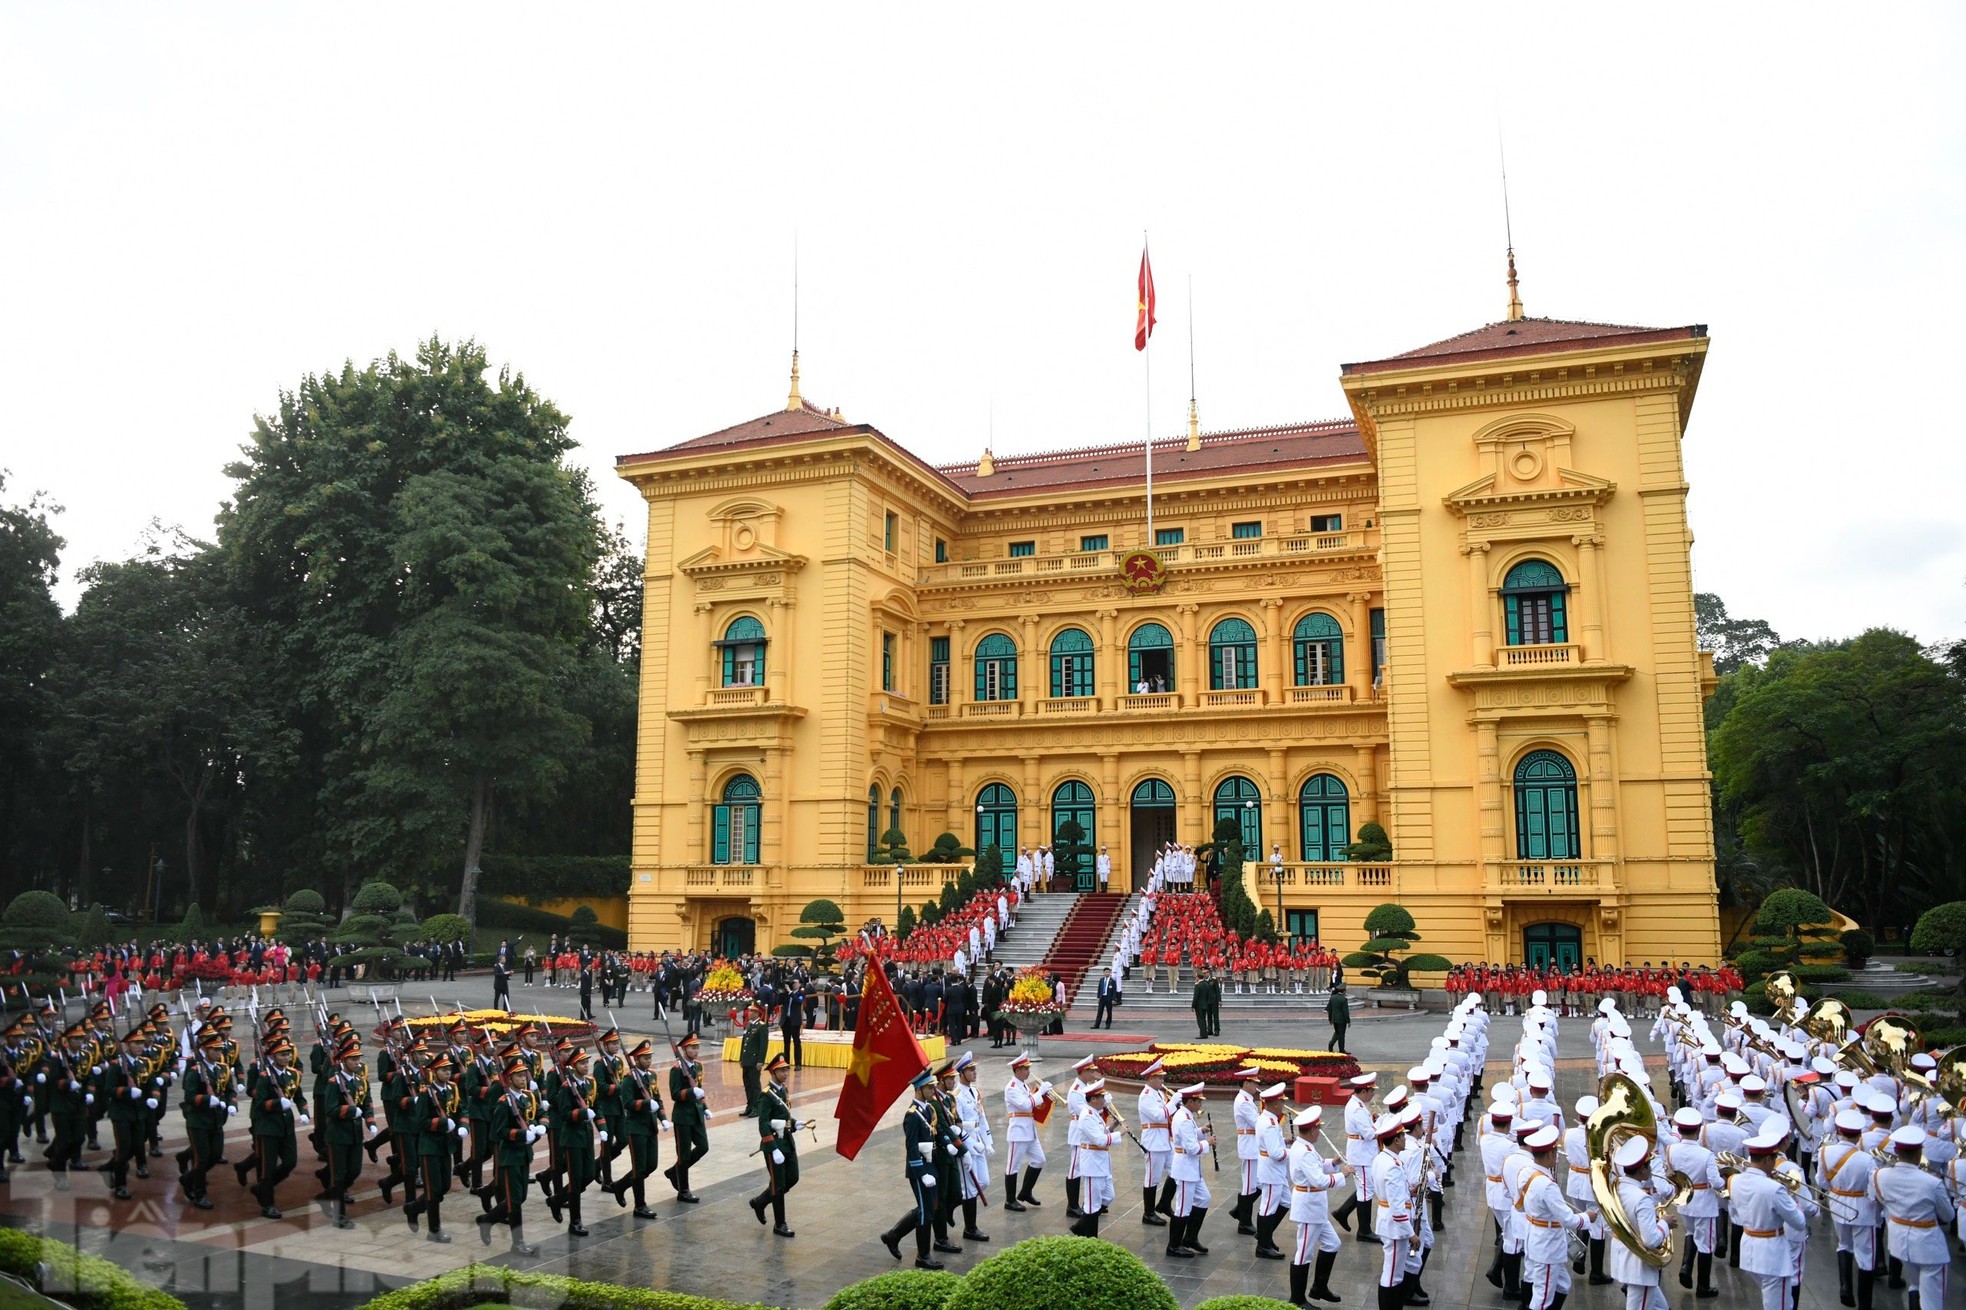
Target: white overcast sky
x=199 y=204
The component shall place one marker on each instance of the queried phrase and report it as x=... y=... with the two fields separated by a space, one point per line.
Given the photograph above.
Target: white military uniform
x=1074 y=1107
x=978 y=1144
x=1392 y=1216
x=1246 y=1111
x=1155 y=1114
x=1702 y=1209
x=1547 y=1220
x=1190 y=1191
x=1916 y=1213
x=1310 y=1209
x=1577 y=1177
x=1844 y=1170
x=1768 y=1216
x=1642 y=1290
x=1021 y=1129
x=1272 y=1168
x=1091 y=1143
x=1360 y=1144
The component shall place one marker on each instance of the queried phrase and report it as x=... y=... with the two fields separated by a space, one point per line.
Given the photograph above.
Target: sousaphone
x=1624 y=1111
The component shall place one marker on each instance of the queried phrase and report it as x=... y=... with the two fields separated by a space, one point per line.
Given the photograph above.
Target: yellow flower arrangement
x=723 y=985
x=499 y=1023
x=1031 y=993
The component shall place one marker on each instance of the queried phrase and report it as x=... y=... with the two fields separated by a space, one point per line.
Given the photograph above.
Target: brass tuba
x=1949 y=1082
x=1624 y=1111
x=1785 y=994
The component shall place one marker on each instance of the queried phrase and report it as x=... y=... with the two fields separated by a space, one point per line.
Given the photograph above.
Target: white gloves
x=778 y=1157
x=463 y=1131
x=89 y=1099
x=231 y=1110
x=928 y=1180
x=928 y=1150
x=150 y=1103
x=590 y=1115
x=40 y=1077
x=778 y=1125
x=603 y=1135
x=304 y=1121
x=1044 y=1089
x=954 y=1150
x=95 y=1071
x=156 y=1082
x=286 y=1104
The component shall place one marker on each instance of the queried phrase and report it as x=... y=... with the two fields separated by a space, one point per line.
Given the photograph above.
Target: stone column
x=1272 y=675
x=1359 y=672
x=710 y=657
x=1490 y=791
x=962 y=670
x=773 y=821
x=1033 y=799
x=1365 y=764
x=1111 y=661
x=1189 y=656
x=1191 y=805
x=699 y=843
x=960 y=805
x=779 y=652
x=1276 y=810
x=1108 y=812
x=1590 y=596
x=1603 y=844
x=1481 y=606
x=1033 y=669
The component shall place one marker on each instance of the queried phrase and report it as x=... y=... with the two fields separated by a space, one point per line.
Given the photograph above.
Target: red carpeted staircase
x=1084 y=932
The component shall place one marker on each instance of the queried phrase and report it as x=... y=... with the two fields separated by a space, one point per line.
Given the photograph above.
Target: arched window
x=1150 y=659
x=734 y=837
x=744 y=653
x=1071 y=833
x=1071 y=664
x=1320 y=647
x=873 y=823
x=1237 y=798
x=894 y=808
x=1324 y=821
x=996 y=822
x=1546 y=808
x=1231 y=656
x=1533 y=601
x=1153 y=794
x=996 y=668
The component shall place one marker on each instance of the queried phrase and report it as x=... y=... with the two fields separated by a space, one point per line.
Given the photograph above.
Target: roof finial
x=794 y=401
x=1508 y=231
x=1194 y=413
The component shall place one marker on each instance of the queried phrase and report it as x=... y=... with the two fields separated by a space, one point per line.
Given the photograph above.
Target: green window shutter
x=751 y=836
x=720 y=840
x=1559 y=630
x=730 y=665
x=1511 y=610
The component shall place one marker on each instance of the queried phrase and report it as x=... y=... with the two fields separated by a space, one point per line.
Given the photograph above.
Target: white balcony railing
x=1068 y=705
x=1159 y=700
x=726 y=697
x=1550 y=875
x=1222 y=700
x=1095 y=561
x=1336 y=693
x=1531 y=657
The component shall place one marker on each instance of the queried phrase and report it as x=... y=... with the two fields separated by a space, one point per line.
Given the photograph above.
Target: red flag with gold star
x=886 y=1058
x=1143 y=326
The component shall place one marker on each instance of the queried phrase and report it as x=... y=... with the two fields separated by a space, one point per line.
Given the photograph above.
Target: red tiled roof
x=1289 y=445
x=775 y=426
x=1528 y=336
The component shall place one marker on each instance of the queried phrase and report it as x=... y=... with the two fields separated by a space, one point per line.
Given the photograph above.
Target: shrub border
x=77 y=1278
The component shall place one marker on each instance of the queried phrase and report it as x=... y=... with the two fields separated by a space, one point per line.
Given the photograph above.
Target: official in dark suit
x=1109 y=1000
x=791 y=1025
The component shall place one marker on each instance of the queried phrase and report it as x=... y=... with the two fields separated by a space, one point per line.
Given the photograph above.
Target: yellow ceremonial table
x=828 y=1048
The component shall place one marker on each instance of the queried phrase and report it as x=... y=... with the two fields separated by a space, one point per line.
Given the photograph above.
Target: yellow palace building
x=1465 y=612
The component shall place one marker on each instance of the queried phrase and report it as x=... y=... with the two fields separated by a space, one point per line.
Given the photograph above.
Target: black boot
x=1846 y=1265
x=1087 y=1225
x=1411 y=1293
x=1706 y=1289
x=1300 y=1278
x=1193 y=1239
x=1511 y=1276
x=1343 y=1217
x=1148 y=1214
x=1030 y=1181
x=1686 y=1266
x=1866 y=1285
x=1010 y=1201
x=1177 y=1233
x=970 y=1231
x=1244 y=1204
x=574 y=1226
x=1734 y=1231
x=1321 y=1279
x=1166 y=1205
x=1598 y=1277
x=519 y=1245
x=1896 y=1269
x=1266 y=1227
x=1071 y=1198
x=1365 y=1233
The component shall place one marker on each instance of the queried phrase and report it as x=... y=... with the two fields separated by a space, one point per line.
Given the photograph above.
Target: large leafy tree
x=1735 y=643
x=416 y=564
x=1847 y=765
x=30 y=634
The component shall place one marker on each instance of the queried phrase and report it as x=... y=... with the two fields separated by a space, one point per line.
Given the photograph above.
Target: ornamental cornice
x=764 y=561
x=1283 y=726
x=1581 y=688
x=1336 y=570
x=1574 y=489
x=1517 y=387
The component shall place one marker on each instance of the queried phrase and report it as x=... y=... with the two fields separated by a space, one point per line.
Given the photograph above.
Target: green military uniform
x=209 y=1091
x=68 y=1106
x=121 y=1086
x=481 y=1089
x=948 y=1156
x=436 y=1118
x=20 y=1060
x=272 y=1089
x=573 y=1119
x=609 y=1067
x=691 y=1114
x=779 y=1147
x=920 y=1147
x=639 y=1123
x=398 y=1091
x=514 y=1128
x=751 y=1060
x=547 y=1086
x=349 y=1112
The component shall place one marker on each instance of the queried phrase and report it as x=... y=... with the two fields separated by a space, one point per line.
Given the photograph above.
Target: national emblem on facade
x=1143 y=573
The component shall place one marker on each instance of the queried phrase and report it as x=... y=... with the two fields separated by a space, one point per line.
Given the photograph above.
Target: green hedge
x=1859 y=1000
x=1946 y=1037
x=478 y=1284
x=80 y=1280
x=551 y=877
x=1042 y=1273
x=1821 y=973
x=904 y=1289
x=498 y=919
x=1243 y=1303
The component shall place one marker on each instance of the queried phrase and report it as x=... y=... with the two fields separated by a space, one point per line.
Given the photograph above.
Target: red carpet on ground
x=1084 y=931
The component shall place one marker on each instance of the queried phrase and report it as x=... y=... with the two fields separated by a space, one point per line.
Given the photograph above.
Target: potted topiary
x=1043 y=1273
x=1857 y=947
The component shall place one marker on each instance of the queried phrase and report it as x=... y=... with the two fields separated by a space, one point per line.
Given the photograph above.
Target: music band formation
x=1773 y=1124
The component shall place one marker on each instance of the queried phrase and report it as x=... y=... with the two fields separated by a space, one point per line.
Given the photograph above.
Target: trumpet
x=1731 y=1164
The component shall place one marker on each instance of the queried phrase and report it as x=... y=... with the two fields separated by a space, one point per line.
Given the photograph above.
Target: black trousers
x=276 y=1161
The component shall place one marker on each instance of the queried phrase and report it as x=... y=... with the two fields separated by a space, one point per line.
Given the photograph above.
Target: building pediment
x=759 y=558
x=1491 y=493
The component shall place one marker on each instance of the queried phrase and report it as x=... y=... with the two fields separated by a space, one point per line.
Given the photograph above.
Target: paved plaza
x=230 y=1258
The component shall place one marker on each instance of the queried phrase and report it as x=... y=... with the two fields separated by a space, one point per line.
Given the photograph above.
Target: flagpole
x=1147 y=373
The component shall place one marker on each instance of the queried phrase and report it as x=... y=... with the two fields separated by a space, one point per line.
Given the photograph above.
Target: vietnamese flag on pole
x=1144 y=326
x=886 y=1058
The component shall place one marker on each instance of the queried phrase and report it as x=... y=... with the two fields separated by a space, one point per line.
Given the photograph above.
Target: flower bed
x=1215 y=1064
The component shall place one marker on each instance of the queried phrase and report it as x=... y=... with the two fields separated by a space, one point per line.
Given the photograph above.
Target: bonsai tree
x=893 y=848
x=1391 y=932
x=584 y=926
x=1371 y=847
x=820 y=921
x=193 y=928
x=947 y=850
x=1790 y=924
x=1857 y=946
x=304 y=917
x=448 y=928
x=92 y=928
x=1070 y=850
x=906 y=924
x=373 y=929
x=38 y=925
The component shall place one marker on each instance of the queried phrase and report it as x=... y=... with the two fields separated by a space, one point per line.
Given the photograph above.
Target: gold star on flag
x=863 y=1064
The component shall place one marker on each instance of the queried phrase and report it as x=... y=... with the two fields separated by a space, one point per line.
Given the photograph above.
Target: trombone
x=1731 y=1164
